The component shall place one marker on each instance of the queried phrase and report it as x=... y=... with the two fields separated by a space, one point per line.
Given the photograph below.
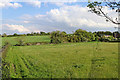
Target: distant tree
x=63 y=36
x=83 y=35
x=37 y=33
x=55 y=37
x=91 y=36
x=79 y=36
x=4 y=35
x=42 y=33
x=21 y=34
x=58 y=37
x=108 y=33
x=9 y=35
x=98 y=8
x=28 y=34
x=80 y=31
x=48 y=33
x=32 y=33
x=15 y=34
x=116 y=34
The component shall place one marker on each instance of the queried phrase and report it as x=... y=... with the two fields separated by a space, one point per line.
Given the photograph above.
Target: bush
x=21 y=43
x=78 y=36
x=58 y=37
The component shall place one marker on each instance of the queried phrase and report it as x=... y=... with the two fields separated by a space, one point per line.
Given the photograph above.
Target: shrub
x=78 y=36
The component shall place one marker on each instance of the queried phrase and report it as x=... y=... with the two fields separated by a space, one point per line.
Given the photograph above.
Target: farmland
x=66 y=39
x=68 y=60
x=26 y=39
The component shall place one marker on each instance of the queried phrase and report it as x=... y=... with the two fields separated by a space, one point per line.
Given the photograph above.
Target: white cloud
x=26 y=17
x=35 y=3
x=36 y=31
x=8 y=4
x=58 y=3
x=77 y=16
x=26 y=21
x=38 y=16
x=2 y=5
x=19 y=28
x=7 y=0
x=62 y=3
x=68 y=18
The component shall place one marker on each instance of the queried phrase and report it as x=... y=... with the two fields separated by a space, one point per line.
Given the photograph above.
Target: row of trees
x=28 y=34
x=80 y=36
x=105 y=33
x=114 y=34
x=99 y=33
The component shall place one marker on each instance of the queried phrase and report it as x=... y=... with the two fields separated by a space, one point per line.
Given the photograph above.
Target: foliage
x=62 y=37
x=81 y=36
x=58 y=37
x=4 y=35
x=98 y=8
x=28 y=34
x=116 y=34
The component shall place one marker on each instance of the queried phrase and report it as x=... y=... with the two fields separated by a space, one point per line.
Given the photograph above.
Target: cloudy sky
x=26 y=17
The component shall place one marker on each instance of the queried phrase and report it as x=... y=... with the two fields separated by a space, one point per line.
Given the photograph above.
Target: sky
x=36 y=16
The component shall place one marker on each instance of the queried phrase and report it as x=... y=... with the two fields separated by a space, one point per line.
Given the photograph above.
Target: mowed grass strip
x=70 y=60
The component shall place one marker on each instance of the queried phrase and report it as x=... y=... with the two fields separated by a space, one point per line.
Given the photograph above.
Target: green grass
x=15 y=40
x=70 y=60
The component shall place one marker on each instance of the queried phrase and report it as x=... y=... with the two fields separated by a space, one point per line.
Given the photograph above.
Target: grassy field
x=26 y=39
x=70 y=60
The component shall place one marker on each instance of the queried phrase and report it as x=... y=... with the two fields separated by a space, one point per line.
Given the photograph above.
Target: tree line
x=83 y=36
x=77 y=36
x=28 y=34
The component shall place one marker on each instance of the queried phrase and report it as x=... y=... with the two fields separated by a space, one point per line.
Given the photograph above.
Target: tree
x=28 y=34
x=32 y=33
x=97 y=8
x=108 y=33
x=15 y=34
x=48 y=33
x=84 y=36
x=116 y=34
x=37 y=33
x=55 y=37
x=4 y=35
x=42 y=33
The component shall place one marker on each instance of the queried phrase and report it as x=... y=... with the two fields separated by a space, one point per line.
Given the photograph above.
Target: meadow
x=68 y=60
x=26 y=39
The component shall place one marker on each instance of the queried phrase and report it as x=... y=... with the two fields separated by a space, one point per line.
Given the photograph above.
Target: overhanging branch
x=107 y=17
